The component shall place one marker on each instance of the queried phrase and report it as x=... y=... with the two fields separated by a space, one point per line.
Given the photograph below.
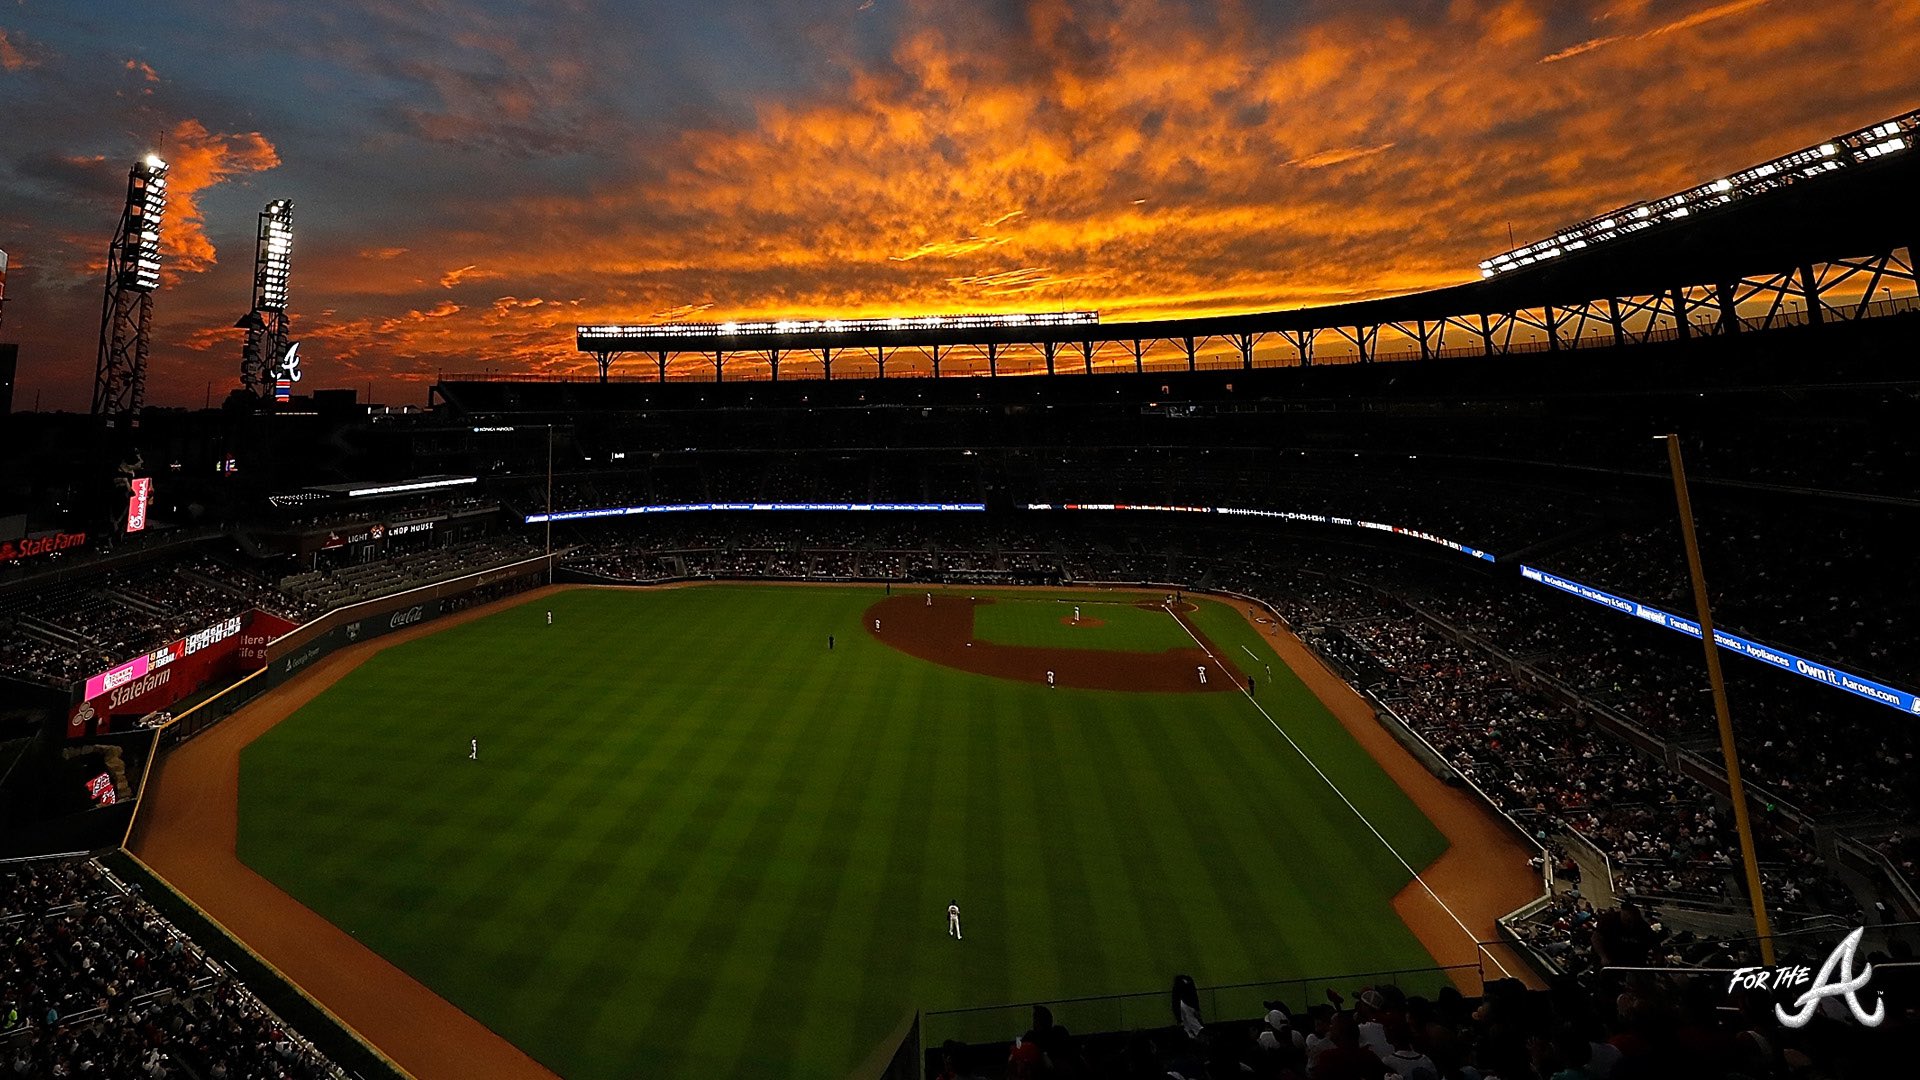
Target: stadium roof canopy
x=1850 y=197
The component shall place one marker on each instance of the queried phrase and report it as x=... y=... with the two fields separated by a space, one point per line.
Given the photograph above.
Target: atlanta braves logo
x=1836 y=979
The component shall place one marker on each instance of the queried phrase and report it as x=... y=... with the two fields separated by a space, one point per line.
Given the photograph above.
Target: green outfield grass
x=699 y=844
x=1014 y=619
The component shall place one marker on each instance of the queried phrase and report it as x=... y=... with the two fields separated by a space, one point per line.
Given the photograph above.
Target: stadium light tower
x=266 y=322
x=126 y=312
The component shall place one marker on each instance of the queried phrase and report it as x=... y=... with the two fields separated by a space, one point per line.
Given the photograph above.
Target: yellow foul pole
x=1735 y=788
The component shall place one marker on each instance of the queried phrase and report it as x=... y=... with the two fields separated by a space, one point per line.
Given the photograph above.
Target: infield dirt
x=942 y=633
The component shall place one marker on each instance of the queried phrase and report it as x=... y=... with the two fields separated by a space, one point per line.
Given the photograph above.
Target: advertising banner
x=1859 y=686
x=262 y=628
x=139 y=493
x=159 y=679
x=40 y=544
x=1276 y=515
x=684 y=508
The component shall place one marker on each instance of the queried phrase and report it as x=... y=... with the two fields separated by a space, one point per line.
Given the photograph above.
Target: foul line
x=1384 y=842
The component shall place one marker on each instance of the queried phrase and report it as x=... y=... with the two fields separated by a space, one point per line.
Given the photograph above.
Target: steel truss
x=1860 y=286
x=126 y=328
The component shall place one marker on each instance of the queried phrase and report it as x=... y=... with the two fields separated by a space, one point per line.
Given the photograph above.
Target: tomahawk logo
x=1836 y=979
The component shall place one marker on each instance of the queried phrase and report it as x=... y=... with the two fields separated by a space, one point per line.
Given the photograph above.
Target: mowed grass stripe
x=697 y=843
x=1141 y=935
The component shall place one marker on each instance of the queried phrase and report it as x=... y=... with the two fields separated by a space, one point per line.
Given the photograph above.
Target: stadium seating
x=97 y=984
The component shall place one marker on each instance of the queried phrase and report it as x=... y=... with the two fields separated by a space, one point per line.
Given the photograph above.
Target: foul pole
x=1722 y=713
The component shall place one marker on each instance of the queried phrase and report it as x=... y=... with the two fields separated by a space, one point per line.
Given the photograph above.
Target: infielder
x=929 y=599
x=953 y=921
x=876 y=626
x=1049 y=678
x=1202 y=669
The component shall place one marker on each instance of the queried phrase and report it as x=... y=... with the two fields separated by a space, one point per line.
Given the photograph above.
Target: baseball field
x=698 y=840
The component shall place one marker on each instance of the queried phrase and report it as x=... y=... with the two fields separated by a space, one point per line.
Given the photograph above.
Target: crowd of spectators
x=97 y=984
x=64 y=631
x=1644 y=1027
x=1826 y=586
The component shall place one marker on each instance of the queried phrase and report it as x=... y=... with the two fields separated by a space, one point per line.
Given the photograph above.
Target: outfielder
x=953 y=921
x=474 y=754
x=549 y=616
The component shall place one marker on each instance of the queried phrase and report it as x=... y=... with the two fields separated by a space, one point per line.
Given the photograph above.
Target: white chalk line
x=1384 y=842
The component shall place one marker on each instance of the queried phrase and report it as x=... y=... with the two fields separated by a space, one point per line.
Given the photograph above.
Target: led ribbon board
x=1766 y=654
x=1278 y=515
x=681 y=508
x=1034 y=320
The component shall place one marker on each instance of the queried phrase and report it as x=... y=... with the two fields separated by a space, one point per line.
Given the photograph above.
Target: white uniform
x=1049 y=678
x=953 y=921
x=1076 y=613
x=1202 y=669
x=474 y=754
x=549 y=618
x=929 y=599
x=876 y=625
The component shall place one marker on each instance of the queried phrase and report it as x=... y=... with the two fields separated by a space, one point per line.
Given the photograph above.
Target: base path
x=1484 y=873
x=942 y=632
x=188 y=826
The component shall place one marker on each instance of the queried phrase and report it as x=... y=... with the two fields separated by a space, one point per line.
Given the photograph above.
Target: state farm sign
x=44 y=544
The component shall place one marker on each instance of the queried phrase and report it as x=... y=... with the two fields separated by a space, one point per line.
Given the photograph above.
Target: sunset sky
x=470 y=180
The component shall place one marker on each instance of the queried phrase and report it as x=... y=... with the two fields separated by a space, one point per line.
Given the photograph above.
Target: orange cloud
x=144 y=70
x=469 y=272
x=198 y=160
x=12 y=57
x=1339 y=156
x=1161 y=166
x=1580 y=49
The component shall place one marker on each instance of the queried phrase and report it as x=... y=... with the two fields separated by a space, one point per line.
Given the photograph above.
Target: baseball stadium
x=1514 y=678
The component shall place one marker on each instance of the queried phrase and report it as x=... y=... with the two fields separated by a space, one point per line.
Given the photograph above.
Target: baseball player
x=1050 y=678
x=929 y=599
x=876 y=626
x=549 y=616
x=953 y=921
x=474 y=754
x=1076 y=613
x=1202 y=669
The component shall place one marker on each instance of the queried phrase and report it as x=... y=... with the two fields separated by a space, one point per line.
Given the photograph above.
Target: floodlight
x=146 y=210
x=273 y=258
